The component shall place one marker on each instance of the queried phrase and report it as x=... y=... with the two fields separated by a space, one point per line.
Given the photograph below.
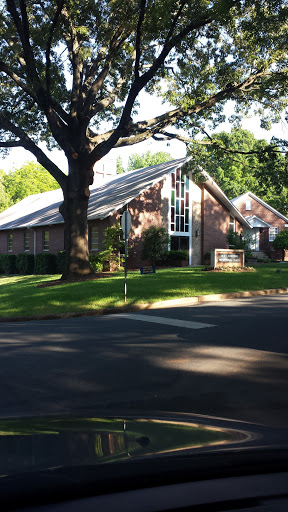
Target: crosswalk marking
x=163 y=320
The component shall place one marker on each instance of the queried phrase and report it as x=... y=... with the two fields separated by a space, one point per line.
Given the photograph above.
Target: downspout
x=34 y=242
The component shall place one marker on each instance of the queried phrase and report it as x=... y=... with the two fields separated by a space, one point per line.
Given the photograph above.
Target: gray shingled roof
x=105 y=199
x=43 y=209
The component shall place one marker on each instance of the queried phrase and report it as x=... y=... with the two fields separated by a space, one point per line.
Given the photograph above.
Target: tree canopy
x=137 y=161
x=71 y=73
x=239 y=162
x=30 y=178
x=4 y=201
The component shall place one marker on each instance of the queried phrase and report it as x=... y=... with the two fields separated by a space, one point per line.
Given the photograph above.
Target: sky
x=148 y=108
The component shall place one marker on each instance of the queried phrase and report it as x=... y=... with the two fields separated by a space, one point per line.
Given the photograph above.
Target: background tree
x=281 y=242
x=31 y=178
x=239 y=162
x=4 y=200
x=137 y=161
x=119 y=165
x=66 y=66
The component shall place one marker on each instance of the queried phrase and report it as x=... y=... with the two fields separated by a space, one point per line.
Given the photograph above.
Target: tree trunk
x=74 y=210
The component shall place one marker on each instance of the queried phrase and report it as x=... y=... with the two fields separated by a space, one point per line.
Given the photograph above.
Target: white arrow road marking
x=163 y=320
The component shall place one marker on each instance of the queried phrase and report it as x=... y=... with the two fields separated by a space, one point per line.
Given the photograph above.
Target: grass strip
x=20 y=296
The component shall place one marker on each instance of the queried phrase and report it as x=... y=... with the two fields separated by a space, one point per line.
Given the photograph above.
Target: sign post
x=126 y=226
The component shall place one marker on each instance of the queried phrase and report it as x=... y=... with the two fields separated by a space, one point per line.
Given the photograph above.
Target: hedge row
x=42 y=263
x=27 y=264
x=48 y=263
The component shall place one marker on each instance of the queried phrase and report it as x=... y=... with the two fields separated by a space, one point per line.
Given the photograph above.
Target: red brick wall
x=216 y=223
x=148 y=209
x=265 y=214
x=56 y=239
x=260 y=211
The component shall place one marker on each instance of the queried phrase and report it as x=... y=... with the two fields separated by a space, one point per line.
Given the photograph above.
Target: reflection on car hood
x=42 y=443
x=45 y=460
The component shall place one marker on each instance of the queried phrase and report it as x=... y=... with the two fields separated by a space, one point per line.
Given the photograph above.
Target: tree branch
x=140 y=83
x=28 y=144
x=11 y=144
x=172 y=116
x=5 y=69
x=39 y=94
x=116 y=42
x=138 y=37
x=49 y=43
x=109 y=100
x=22 y=27
x=77 y=66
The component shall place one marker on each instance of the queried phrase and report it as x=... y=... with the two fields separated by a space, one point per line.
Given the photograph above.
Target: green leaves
x=137 y=161
x=246 y=164
x=30 y=179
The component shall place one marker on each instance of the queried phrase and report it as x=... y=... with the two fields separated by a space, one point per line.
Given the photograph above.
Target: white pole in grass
x=126 y=226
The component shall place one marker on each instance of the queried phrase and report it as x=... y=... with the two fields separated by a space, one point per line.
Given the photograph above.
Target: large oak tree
x=68 y=68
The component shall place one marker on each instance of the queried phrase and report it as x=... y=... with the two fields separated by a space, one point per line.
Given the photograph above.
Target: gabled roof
x=36 y=210
x=253 y=196
x=256 y=222
x=212 y=185
x=43 y=209
x=105 y=199
x=116 y=193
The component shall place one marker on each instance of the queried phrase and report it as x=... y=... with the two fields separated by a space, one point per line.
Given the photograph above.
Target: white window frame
x=273 y=232
x=94 y=238
x=232 y=224
x=10 y=242
x=248 y=205
x=26 y=241
x=45 y=241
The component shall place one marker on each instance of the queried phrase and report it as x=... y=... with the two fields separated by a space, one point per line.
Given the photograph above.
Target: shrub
x=2 y=256
x=155 y=242
x=113 y=246
x=60 y=262
x=45 y=263
x=25 y=263
x=281 y=242
x=8 y=264
x=170 y=257
x=96 y=262
x=237 y=241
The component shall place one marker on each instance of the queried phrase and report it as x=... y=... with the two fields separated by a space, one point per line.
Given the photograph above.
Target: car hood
x=80 y=456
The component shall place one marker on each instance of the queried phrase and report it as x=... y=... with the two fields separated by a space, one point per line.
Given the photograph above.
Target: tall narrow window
x=179 y=202
x=26 y=241
x=45 y=240
x=94 y=238
x=232 y=223
x=10 y=243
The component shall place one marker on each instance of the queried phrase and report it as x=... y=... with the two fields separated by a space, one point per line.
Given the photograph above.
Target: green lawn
x=19 y=295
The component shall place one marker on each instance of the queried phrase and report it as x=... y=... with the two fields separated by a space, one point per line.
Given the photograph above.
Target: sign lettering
x=228 y=258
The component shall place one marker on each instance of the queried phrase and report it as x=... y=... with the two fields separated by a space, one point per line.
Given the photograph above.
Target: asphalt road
x=227 y=359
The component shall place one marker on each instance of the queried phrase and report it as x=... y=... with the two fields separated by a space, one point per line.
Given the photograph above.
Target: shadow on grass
x=20 y=296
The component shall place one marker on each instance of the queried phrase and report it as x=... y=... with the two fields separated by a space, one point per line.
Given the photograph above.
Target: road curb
x=186 y=301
